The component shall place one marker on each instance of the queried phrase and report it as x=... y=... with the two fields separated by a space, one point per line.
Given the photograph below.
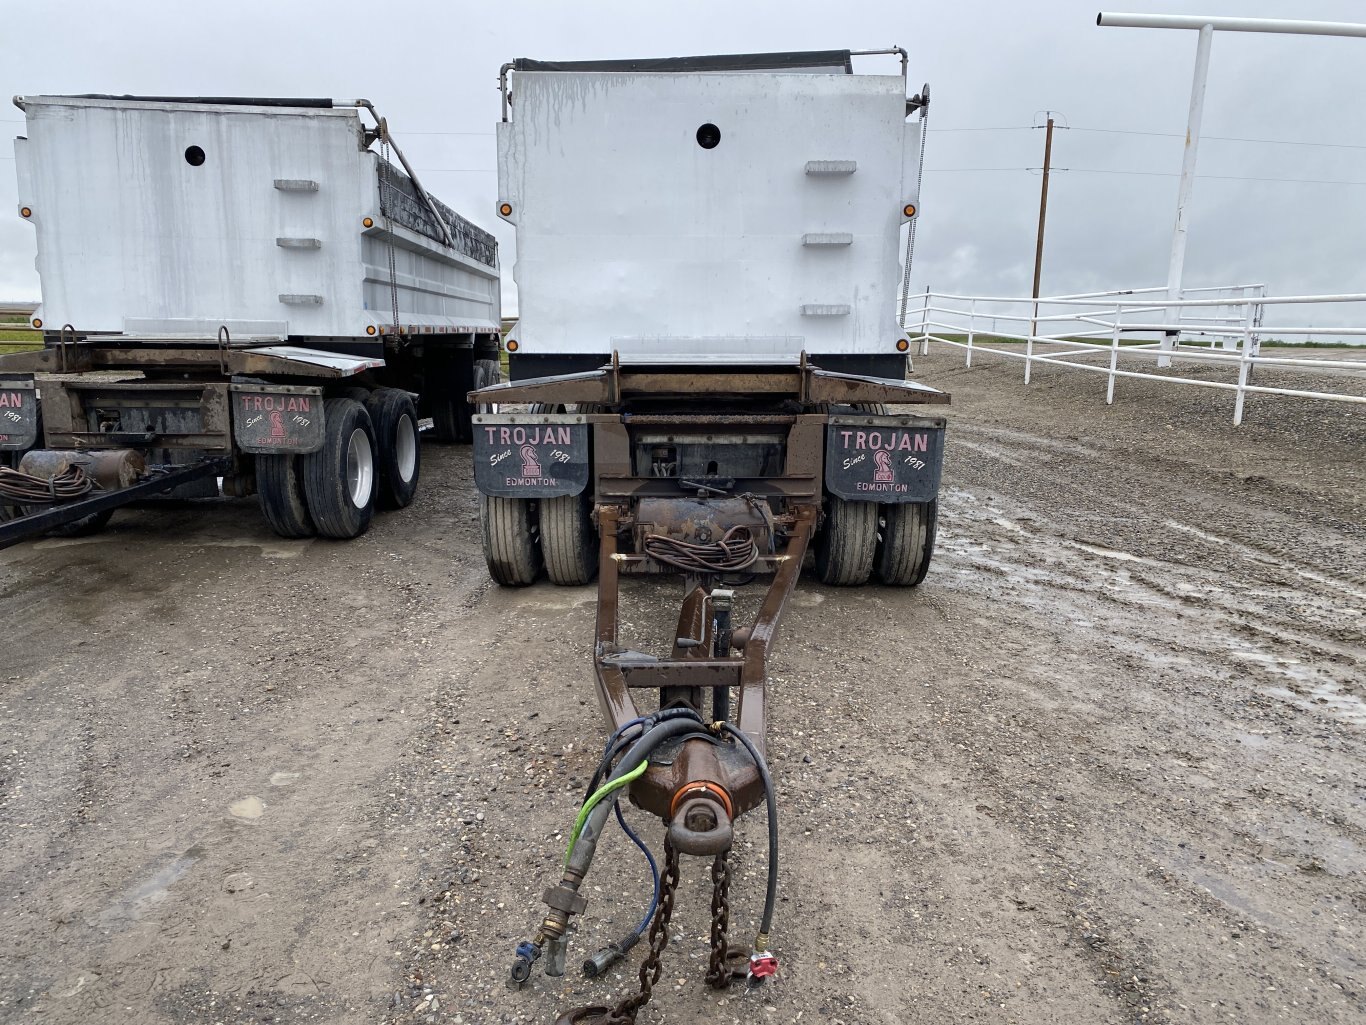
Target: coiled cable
x=735 y=551
x=25 y=489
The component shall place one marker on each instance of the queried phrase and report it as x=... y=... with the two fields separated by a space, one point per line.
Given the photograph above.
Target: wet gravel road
x=1106 y=765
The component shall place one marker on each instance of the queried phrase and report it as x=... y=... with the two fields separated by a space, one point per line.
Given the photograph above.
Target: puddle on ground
x=549 y=599
x=49 y=543
x=1324 y=697
x=137 y=900
x=1267 y=560
x=1281 y=665
x=238 y=882
x=1010 y=525
x=1110 y=553
x=248 y=809
x=283 y=779
x=269 y=549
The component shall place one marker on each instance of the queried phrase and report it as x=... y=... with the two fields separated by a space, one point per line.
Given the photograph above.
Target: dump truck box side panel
x=172 y=218
x=634 y=236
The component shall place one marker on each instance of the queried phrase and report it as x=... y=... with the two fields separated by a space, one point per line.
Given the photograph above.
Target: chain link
x=624 y=1013
x=718 y=972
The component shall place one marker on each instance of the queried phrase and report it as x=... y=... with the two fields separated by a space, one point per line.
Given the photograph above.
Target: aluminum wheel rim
x=360 y=468
x=405 y=448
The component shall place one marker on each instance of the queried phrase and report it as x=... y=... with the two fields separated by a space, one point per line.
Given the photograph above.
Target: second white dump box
x=738 y=210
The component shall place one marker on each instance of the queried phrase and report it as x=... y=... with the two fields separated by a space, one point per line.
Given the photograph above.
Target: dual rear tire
x=522 y=537
x=370 y=455
x=863 y=539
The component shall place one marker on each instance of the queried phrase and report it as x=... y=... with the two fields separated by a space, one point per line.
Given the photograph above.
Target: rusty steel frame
x=695 y=667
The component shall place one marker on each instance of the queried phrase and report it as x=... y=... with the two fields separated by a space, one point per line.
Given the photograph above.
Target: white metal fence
x=1220 y=327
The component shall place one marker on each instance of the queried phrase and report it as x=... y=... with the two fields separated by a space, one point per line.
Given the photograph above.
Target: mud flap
x=268 y=419
x=542 y=455
x=884 y=459
x=18 y=413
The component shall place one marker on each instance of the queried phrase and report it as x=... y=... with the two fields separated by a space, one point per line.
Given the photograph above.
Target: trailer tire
x=487 y=372
x=568 y=539
x=280 y=489
x=340 y=482
x=400 y=456
x=847 y=544
x=907 y=543
x=510 y=543
x=451 y=379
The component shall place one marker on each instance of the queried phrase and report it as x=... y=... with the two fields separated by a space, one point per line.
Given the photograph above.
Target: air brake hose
x=615 y=784
x=581 y=856
x=771 y=799
x=618 y=742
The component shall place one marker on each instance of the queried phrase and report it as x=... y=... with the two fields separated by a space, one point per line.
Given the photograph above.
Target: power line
x=1218 y=177
x=1167 y=135
x=1226 y=138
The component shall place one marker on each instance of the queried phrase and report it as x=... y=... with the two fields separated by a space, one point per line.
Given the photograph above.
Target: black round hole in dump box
x=194 y=156
x=708 y=136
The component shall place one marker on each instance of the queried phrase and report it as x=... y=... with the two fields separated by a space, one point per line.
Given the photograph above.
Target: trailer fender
x=268 y=418
x=531 y=455
x=884 y=459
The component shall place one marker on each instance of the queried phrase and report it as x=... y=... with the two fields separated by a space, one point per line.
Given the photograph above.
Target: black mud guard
x=18 y=412
x=884 y=459
x=531 y=455
x=271 y=418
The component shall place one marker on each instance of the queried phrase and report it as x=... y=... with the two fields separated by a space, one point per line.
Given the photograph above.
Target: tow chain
x=624 y=1013
x=726 y=965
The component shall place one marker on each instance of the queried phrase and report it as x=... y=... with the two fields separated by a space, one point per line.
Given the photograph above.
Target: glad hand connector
x=528 y=953
x=762 y=965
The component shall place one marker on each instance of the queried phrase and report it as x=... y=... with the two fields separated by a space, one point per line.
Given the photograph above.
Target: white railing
x=1058 y=330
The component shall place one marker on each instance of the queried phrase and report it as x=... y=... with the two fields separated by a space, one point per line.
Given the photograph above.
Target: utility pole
x=1043 y=217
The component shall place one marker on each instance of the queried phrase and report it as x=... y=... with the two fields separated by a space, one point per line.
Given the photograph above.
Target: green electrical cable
x=602 y=792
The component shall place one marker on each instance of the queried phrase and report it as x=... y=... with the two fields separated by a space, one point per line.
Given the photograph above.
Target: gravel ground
x=1106 y=765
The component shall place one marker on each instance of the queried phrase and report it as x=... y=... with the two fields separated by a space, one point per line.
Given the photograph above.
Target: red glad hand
x=761 y=966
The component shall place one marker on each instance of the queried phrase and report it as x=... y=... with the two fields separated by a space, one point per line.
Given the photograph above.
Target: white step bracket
x=829 y=238
x=301 y=300
x=826 y=309
x=299 y=243
x=296 y=185
x=831 y=168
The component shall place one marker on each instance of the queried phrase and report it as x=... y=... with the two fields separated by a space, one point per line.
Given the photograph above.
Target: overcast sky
x=994 y=68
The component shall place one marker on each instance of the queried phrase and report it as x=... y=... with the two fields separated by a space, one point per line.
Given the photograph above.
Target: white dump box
x=730 y=210
x=279 y=219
